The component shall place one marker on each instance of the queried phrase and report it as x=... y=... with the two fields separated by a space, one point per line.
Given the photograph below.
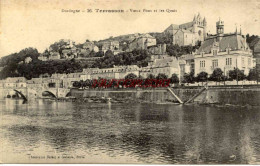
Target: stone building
x=164 y=64
x=186 y=63
x=143 y=41
x=257 y=57
x=188 y=33
x=54 y=56
x=159 y=49
x=109 y=45
x=27 y=60
x=117 y=72
x=14 y=82
x=224 y=51
x=90 y=46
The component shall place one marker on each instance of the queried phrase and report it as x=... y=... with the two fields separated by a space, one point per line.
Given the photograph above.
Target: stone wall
x=212 y=95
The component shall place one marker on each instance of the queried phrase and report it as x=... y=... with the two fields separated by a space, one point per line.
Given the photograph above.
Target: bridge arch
x=68 y=94
x=20 y=93
x=50 y=93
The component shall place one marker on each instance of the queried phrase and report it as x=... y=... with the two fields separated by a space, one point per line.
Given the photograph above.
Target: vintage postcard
x=130 y=81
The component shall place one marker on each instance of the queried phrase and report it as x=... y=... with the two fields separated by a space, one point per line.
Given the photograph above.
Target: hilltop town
x=186 y=53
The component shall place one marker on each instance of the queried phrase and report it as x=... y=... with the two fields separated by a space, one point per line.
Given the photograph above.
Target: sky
x=39 y=23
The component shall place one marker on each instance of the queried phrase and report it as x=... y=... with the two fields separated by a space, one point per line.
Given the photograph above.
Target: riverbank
x=221 y=95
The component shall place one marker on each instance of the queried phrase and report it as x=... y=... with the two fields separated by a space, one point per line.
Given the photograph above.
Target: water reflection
x=142 y=133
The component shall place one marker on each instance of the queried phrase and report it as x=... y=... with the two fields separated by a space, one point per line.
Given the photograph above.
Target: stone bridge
x=33 y=92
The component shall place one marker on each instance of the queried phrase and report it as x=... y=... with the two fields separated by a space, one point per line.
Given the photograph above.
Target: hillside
x=160 y=38
x=15 y=58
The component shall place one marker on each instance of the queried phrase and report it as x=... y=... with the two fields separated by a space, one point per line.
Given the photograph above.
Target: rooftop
x=233 y=41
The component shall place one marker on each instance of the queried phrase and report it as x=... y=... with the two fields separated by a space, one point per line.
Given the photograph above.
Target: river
x=43 y=131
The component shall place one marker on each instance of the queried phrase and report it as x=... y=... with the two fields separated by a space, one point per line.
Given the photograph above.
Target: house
x=117 y=72
x=27 y=60
x=143 y=41
x=42 y=58
x=109 y=45
x=186 y=63
x=15 y=82
x=224 y=51
x=159 y=49
x=165 y=64
x=257 y=57
x=54 y=56
x=90 y=46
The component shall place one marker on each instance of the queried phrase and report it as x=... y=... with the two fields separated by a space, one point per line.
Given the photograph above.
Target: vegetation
x=189 y=78
x=236 y=74
x=217 y=75
x=161 y=76
x=253 y=75
x=37 y=67
x=252 y=40
x=174 y=79
x=136 y=57
x=131 y=81
x=162 y=38
x=131 y=76
x=177 y=51
x=202 y=77
x=15 y=58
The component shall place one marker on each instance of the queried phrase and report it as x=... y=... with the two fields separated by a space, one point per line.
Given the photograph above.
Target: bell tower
x=220 y=27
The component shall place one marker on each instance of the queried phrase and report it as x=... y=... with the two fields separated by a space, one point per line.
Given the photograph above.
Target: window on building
x=214 y=63
x=199 y=32
x=228 y=61
x=52 y=85
x=202 y=64
x=243 y=61
x=215 y=52
x=249 y=61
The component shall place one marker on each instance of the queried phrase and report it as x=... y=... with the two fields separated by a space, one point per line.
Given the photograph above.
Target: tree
x=131 y=76
x=109 y=53
x=162 y=38
x=76 y=84
x=217 y=75
x=202 y=77
x=236 y=74
x=161 y=76
x=99 y=54
x=189 y=77
x=46 y=53
x=172 y=50
x=174 y=78
x=252 y=76
x=151 y=76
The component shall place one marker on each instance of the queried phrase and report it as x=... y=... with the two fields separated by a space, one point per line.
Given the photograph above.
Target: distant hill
x=121 y=38
x=15 y=58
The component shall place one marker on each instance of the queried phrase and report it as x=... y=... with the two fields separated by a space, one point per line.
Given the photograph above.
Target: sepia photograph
x=130 y=81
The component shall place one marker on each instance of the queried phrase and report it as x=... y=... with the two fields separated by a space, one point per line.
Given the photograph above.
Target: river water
x=45 y=131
